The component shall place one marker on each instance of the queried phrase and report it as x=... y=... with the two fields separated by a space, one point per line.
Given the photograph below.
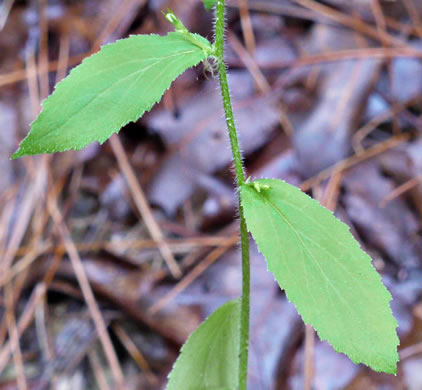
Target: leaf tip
x=387 y=367
x=17 y=154
x=393 y=371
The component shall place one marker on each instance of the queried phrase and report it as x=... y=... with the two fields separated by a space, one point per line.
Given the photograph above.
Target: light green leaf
x=324 y=272
x=110 y=89
x=209 y=3
x=209 y=360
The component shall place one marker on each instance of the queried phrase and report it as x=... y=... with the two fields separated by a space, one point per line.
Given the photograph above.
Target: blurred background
x=112 y=256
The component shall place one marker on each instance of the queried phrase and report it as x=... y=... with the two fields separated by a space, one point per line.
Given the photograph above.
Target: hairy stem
x=240 y=177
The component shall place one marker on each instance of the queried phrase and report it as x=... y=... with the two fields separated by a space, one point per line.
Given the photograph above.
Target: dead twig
x=259 y=78
x=4 y=12
x=32 y=195
x=98 y=370
x=410 y=351
x=87 y=292
x=350 y=21
x=354 y=160
x=115 y=20
x=249 y=62
x=309 y=357
x=136 y=354
x=23 y=323
x=21 y=265
x=63 y=61
x=192 y=275
x=143 y=206
x=400 y=190
x=14 y=338
x=245 y=21
x=380 y=53
x=414 y=16
x=43 y=58
x=180 y=245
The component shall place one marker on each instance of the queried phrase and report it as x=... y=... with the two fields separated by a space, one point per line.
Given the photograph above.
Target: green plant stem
x=240 y=178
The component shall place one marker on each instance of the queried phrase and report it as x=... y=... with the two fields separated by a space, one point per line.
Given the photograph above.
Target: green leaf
x=110 y=89
x=324 y=272
x=209 y=360
x=209 y=3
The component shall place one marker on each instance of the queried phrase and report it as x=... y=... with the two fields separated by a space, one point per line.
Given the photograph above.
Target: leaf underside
x=108 y=90
x=323 y=271
x=209 y=360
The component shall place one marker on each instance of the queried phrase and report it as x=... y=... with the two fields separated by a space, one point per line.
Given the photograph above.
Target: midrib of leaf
x=141 y=60
x=118 y=65
x=279 y=212
x=304 y=266
x=104 y=91
x=329 y=254
x=286 y=262
x=303 y=246
x=313 y=221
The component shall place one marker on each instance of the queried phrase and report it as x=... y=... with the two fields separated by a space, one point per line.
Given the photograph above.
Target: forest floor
x=327 y=96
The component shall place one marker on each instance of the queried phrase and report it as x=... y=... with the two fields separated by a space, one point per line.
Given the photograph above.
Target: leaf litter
x=181 y=158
